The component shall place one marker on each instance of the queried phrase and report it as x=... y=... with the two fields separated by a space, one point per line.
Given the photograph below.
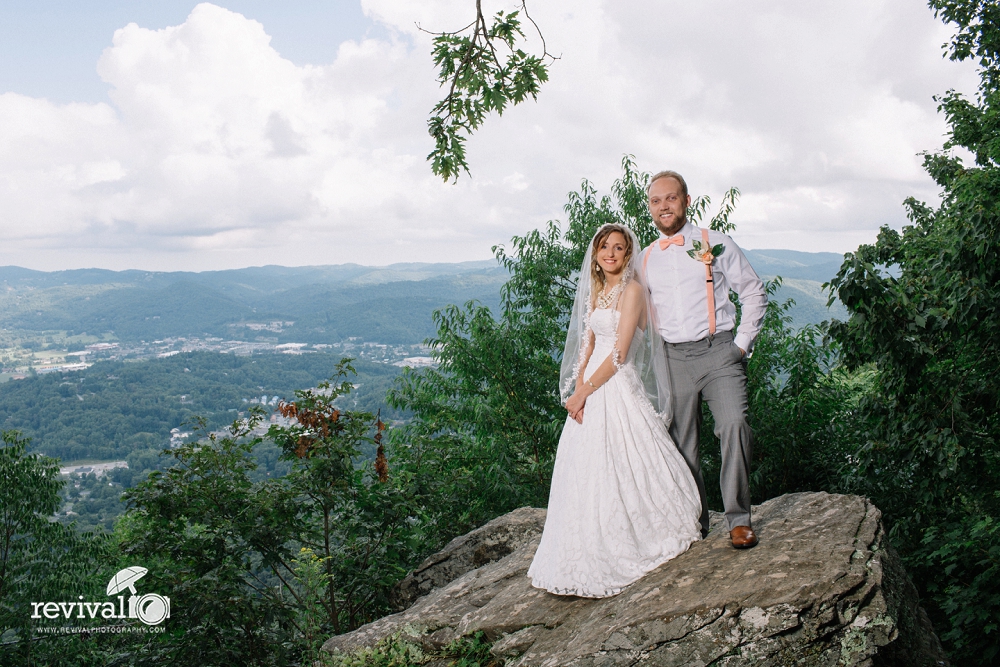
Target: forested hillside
x=111 y=409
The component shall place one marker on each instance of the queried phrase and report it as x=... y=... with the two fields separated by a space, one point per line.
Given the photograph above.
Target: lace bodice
x=604 y=324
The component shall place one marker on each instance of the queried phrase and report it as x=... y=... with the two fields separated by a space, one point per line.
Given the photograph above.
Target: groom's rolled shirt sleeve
x=743 y=280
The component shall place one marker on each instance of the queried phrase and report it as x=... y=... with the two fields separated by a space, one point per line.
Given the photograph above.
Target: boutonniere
x=705 y=255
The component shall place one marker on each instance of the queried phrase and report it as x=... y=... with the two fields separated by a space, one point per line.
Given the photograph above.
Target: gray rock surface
x=822 y=588
x=465 y=553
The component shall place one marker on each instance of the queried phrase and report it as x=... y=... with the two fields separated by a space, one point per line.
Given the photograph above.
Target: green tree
x=923 y=314
x=358 y=526
x=267 y=568
x=210 y=535
x=40 y=560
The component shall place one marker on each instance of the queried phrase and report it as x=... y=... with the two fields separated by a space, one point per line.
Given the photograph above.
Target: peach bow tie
x=673 y=240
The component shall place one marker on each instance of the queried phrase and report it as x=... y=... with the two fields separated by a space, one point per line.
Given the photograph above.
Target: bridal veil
x=646 y=352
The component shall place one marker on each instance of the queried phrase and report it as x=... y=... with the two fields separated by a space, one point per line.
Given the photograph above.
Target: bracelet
x=591 y=384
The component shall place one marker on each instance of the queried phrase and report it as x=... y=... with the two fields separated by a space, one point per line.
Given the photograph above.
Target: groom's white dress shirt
x=677 y=290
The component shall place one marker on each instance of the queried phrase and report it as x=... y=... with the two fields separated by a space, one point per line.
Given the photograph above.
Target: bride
x=622 y=500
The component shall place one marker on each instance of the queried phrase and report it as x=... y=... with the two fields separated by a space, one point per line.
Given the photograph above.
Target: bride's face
x=611 y=254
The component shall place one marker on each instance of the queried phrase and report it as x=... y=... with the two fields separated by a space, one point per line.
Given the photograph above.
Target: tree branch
x=479 y=80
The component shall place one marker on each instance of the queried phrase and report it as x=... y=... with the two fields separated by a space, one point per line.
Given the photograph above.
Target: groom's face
x=668 y=204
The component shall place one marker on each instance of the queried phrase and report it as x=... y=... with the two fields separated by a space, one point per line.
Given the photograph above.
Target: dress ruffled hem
x=537 y=582
x=555 y=590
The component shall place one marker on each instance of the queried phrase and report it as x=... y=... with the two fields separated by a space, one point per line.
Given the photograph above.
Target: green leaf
x=484 y=72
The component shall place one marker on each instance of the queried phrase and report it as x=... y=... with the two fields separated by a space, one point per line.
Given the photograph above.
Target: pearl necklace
x=606 y=300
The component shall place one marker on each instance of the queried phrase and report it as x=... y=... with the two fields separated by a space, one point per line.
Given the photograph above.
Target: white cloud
x=214 y=151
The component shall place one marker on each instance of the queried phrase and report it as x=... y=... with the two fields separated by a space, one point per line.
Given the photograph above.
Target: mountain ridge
x=390 y=304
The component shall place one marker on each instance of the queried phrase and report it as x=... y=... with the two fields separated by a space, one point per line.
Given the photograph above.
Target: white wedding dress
x=623 y=500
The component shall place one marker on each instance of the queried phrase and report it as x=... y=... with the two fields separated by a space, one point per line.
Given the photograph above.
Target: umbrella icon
x=126 y=579
x=151 y=609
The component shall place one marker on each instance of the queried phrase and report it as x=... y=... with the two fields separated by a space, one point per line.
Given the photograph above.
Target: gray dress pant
x=712 y=369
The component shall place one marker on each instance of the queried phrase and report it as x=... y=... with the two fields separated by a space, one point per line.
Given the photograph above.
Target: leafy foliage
x=209 y=534
x=480 y=80
x=924 y=314
x=271 y=567
x=349 y=516
x=39 y=560
x=799 y=397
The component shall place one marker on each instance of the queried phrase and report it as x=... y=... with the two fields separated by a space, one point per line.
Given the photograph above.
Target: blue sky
x=50 y=49
x=183 y=136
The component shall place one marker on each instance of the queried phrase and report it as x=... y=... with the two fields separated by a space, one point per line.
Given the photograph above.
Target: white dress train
x=622 y=500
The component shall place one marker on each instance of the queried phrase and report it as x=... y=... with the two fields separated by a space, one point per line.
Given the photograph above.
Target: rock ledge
x=822 y=588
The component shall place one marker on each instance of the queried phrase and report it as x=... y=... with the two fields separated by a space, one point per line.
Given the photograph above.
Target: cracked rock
x=823 y=587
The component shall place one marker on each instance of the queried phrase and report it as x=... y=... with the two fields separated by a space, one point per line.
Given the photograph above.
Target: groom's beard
x=673 y=229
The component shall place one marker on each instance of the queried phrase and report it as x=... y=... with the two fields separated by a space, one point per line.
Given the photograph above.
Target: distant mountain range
x=803 y=274
x=314 y=304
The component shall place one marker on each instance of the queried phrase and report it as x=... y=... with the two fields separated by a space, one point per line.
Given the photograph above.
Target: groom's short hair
x=669 y=174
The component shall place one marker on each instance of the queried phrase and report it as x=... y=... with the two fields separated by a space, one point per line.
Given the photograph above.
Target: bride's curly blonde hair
x=597 y=276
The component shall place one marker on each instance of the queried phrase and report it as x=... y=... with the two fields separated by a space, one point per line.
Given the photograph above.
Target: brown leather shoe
x=743 y=537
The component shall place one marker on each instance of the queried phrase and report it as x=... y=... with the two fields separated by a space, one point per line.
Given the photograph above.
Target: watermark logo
x=151 y=609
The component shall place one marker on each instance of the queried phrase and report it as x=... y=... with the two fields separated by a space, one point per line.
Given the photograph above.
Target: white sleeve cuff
x=744 y=342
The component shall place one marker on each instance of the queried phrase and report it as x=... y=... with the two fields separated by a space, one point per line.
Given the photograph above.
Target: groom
x=689 y=272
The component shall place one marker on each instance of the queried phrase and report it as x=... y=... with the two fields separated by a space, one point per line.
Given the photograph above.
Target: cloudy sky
x=172 y=135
